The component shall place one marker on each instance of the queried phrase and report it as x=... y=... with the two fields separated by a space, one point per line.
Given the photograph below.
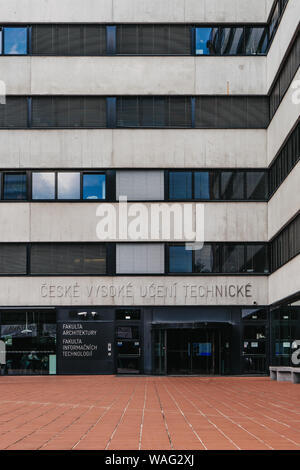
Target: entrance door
x=194 y=351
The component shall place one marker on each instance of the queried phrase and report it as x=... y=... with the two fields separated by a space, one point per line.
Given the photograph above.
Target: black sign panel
x=85 y=347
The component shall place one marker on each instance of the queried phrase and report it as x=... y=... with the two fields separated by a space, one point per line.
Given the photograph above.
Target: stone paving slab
x=148 y=413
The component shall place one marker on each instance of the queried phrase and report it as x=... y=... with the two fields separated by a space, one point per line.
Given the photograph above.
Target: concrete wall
x=133 y=75
x=285 y=281
x=41 y=222
x=284 y=120
x=285 y=203
x=133 y=290
x=134 y=11
x=283 y=37
x=123 y=148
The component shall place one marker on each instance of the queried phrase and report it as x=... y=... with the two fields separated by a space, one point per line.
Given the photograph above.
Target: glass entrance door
x=193 y=351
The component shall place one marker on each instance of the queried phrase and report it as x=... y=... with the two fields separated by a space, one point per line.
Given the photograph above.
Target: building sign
x=82 y=347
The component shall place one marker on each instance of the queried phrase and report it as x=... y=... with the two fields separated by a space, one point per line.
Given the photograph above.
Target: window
x=94 y=186
x=13 y=258
x=180 y=185
x=140 y=258
x=68 y=185
x=68 y=40
x=15 y=186
x=257 y=259
x=232 y=185
x=180 y=259
x=274 y=20
x=64 y=259
x=68 y=112
x=43 y=185
x=202 y=185
x=220 y=41
x=233 y=258
x=256 y=185
x=232 y=112
x=30 y=340
x=15 y=41
x=154 y=111
x=206 y=259
x=256 y=41
x=13 y=114
x=154 y=39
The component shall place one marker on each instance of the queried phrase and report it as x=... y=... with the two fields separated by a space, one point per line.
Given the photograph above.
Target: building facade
x=182 y=103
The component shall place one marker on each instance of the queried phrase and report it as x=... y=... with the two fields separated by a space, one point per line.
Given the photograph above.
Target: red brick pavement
x=107 y=412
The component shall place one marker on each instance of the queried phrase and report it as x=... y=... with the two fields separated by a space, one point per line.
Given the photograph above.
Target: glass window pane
x=94 y=186
x=202 y=185
x=206 y=259
x=68 y=185
x=180 y=185
x=15 y=40
x=257 y=259
x=232 y=185
x=15 y=186
x=43 y=185
x=180 y=260
x=233 y=259
x=257 y=185
x=231 y=41
x=256 y=41
x=205 y=41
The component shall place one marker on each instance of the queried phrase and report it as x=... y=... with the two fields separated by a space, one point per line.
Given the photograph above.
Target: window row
x=285 y=161
x=136 y=185
x=286 y=245
x=132 y=258
x=211 y=112
x=135 y=39
x=285 y=77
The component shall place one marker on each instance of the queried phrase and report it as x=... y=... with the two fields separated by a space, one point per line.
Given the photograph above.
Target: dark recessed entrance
x=201 y=350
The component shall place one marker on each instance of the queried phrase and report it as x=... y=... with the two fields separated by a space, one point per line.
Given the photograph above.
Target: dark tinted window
x=15 y=186
x=232 y=112
x=233 y=258
x=154 y=39
x=73 y=258
x=256 y=40
x=14 y=112
x=257 y=259
x=256 y=185
x=69 y=111
x=232 y=185
x=13 y=258
x=89 y=40
x=165 y=111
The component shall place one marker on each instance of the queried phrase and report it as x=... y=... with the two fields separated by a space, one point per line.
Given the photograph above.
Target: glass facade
x=30 y=341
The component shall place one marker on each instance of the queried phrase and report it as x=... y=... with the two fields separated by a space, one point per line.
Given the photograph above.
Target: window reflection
x=30 y=341
x=43 y=185
x=68 y=185
x=233 y=259
x=206 y=259
x=180 y=185
x=94 y=186
x=15 y=40
x=180 y=260
x=15 y=186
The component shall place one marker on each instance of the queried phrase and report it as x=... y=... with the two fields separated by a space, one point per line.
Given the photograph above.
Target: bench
x=285 y=374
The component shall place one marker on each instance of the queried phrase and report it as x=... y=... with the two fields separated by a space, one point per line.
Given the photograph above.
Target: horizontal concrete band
x=137 y=291
x=285 y=281
x=133 y=148
x=57 y=222
x=134 y=75
x=133 y=11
